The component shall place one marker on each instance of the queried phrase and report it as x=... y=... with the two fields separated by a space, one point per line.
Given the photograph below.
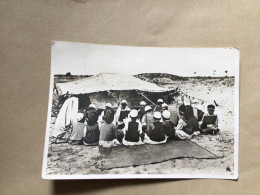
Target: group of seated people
x=146 y=125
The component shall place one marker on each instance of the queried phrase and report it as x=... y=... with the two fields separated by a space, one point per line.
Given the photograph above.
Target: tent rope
x=191 y=97
x=113 y=95
x=140 y=93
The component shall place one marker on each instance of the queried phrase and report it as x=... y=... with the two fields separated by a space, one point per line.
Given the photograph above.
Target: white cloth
x=147 y=140
x=108 y=144
x=182 y=135
x=67 y=115
x=128 y=143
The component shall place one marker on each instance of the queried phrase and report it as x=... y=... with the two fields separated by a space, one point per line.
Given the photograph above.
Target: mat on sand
x=122 y=156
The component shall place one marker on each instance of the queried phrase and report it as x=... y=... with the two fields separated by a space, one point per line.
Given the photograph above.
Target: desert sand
x=66 y=159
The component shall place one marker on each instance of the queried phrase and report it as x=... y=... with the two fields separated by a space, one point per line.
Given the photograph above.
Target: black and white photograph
x=142 y=112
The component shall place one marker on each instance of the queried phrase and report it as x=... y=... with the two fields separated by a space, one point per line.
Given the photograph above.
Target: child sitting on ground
x=132 y=130
x=77 y=132
x=155 y=131
x=209 y=122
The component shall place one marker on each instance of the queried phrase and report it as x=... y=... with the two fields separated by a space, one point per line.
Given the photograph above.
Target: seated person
x=92 y=128
x=191 y=120
x=133 y=130
x=155 y=131
x=78 y=129
x=108 y=135
x=107 y=115
x=186 y=125
x=168 y=125
x=147 y=118
x=209 y=123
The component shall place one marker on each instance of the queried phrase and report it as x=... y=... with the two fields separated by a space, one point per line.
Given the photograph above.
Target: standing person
x=169 y=127
x=133 y=130
x=78 y=129
x=141 y=111
x=158 y=107
x=92 y=128
x=147 y=118
x=107 y=115
x=209 y=123
x=155 y=131
x=122 y=113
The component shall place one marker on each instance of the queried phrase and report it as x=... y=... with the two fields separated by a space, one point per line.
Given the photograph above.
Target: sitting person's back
x=107 y=132
x=92 y=115
x=132 y=133
x=155 y=131
x=168 y=125
x=78 y=127
x=92 y=134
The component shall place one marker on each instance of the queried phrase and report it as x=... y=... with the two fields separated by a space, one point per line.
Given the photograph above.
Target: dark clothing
x=192 y=125
x=141 y=113
x=158 y=108
x=169 y=129
x=92 y=116
x=155 y=131
x=108 y=116
x=123 y=115
x=108 y=132
x=92 y=134
x=200 y=114
x=132 y=134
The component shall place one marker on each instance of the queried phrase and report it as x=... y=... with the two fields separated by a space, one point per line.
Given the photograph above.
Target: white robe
x=67 y=115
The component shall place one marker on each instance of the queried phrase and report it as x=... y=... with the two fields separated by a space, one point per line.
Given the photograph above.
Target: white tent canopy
x=105 y=82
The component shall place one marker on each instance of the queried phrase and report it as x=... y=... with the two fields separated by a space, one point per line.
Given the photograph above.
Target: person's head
x=123 y=104
x=164 y=106
x=133 y=114
x=108 y=106
x=157 y=116
x=211 y=109
x=92 y=107
x=182 y=111
x=148 y=109
x=80 y=117
x=160 y=102
x=166 y=115
x=143 y=103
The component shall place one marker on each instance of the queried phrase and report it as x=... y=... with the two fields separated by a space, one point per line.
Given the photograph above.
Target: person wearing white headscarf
x=132 y=130
x=155 y=131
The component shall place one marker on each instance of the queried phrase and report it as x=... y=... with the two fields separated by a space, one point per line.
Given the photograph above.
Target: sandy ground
x=68 y=159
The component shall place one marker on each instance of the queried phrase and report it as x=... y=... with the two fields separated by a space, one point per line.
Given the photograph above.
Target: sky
x=91 y=59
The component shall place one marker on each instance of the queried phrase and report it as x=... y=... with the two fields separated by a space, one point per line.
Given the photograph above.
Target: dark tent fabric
x=122 y=156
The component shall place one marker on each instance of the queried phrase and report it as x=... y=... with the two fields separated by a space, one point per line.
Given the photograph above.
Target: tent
x=113 y=87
